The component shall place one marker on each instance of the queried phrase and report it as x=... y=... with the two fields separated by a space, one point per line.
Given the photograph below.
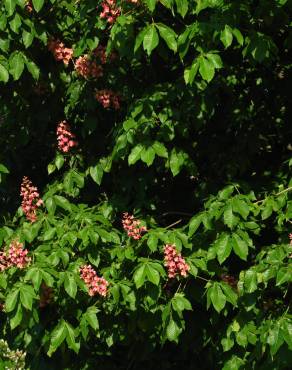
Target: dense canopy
x=145 y=184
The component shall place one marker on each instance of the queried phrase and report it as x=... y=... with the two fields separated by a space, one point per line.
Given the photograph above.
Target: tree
x=155 y=210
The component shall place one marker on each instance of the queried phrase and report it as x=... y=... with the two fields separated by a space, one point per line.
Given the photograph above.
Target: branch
x=277 y=194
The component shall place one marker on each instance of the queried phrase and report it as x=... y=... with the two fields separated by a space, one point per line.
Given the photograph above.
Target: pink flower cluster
x=108 y=98
x=66 y=140
x=60 y=52
x=88 y=68
x=16 y=256
x=95 y=284
x=175 y=263
x=132 y=226
x=30 y=199
x=29 y=6
x=100 y=52
x=110 y=11
x=290 y=237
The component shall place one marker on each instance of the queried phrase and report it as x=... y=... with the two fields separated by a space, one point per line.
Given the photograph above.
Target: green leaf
x=11 y=300
x=284 y=275
x=234 y=363
x=206 y=69
x=96 y=173
x=152 y=242
x=172 y=331
x=230 y=294
x=152 y=274
x=229 y=219
x=10 y=6
x=33 y=69
x=182 y=7
x=38 y=4
x=17 y=318
x=176 y=161
x=215 y=59
x=190 y=72
x=57 y=337
x=217 y=297
x=250 y=281
x=15 y=23
x=26 y=296
x=51 y=168
x=91 y=317
x=59 y=161
x=151 y=4
x=226 y=36
x=27 y=38
x=135 y=154
x=239 y=206
x=50 y=205
x=180 y=303
x=223 y=247
x=16 y=64
x=70 y=338
x=160 y=149
x=4 y=45
x=35 y=275
x=167 y=3
x=4 y=76
x=70 y=284
x=286 y=330
x=168 y=35
x=148 y=155
x=226 y=192
x=49 y=234
x=227 y=344
x=62 y=202
x=139 y=276
x=3 y=169
x=151 y=39
x=240 y=246
x=194 y=224
x=139 y=39
x=238 y=36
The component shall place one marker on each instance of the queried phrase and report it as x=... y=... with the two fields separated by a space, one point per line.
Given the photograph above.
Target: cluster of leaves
x=200 y=151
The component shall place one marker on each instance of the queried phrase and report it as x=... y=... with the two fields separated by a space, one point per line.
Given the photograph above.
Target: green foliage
x=199 y=151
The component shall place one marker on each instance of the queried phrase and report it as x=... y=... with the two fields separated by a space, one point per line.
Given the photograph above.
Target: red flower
x=110 y=11
x=66 y=140
x=132 y=226
x=95 y=284
x=30 y=199
x=108 y=98
x=87 y=68
x=174 y=262
x=60 y=52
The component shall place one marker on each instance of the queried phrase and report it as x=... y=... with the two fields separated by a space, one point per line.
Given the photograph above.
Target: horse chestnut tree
x=145 y=184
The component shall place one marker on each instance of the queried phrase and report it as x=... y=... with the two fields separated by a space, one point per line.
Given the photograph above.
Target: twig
x=175 y=223
x=276 y=195
x=177 y=213
x=199 y=277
